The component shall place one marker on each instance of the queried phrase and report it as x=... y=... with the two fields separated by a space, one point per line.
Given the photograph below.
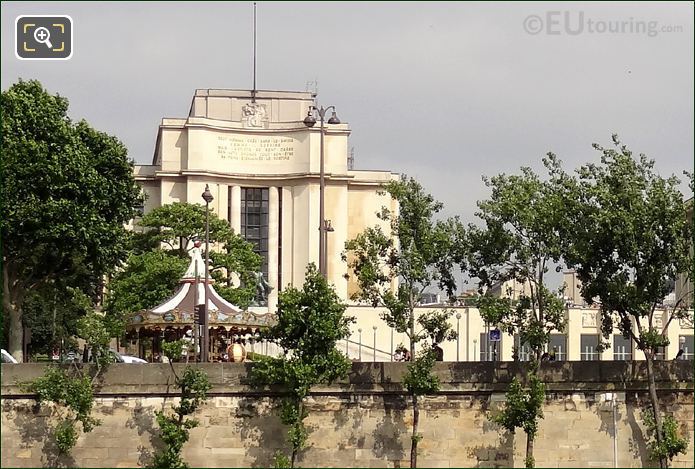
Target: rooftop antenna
x=253 y=92
x=312 y=84
x=351 y=159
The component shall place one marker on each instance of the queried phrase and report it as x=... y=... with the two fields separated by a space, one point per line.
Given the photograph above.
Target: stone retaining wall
x=363 y=421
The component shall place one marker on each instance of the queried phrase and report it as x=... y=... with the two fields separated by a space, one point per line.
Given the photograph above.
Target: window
x=660 y=353
x=254 y=222
x=489 y=350
x=622 y=348
x=687 y=344
x=588 y=345
x=522 y=350
x=558 y=344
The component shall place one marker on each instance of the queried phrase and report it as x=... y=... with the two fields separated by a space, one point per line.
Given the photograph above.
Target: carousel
x=174 y=319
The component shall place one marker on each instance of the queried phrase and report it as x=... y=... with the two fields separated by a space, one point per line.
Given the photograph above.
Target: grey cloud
x=445 y=92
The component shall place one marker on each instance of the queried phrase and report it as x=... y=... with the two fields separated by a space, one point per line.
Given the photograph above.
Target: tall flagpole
x=253 y=93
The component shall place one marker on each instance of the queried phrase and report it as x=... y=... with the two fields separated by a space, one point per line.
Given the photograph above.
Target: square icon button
x=43 y=37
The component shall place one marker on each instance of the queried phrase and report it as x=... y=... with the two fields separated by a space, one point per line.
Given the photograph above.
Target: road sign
x=495 y=335
x=199 y=313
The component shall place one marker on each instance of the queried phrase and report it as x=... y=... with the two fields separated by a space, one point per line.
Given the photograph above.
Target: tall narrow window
x=588 y=344
x=254 y=222
x=687 y=344
x=229 y=204
x=622 y=348
x=660 y=353
x=523 y=351
x=489 y=350
x=558 y=344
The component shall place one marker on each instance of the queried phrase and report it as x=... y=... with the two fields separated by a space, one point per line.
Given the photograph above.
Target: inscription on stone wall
x=256 y=148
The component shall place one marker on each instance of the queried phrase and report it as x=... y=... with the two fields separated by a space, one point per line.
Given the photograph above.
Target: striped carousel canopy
x=178 y=310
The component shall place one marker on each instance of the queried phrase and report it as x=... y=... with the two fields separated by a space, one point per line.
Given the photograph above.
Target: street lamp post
x=391 y=351
x=310 y=121
x=458 y=334
x=207 y=196
x=359 y=346
x=374 y=345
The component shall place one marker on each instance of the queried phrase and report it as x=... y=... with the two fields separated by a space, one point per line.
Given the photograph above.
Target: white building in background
x=579 y=341
x=262 y=165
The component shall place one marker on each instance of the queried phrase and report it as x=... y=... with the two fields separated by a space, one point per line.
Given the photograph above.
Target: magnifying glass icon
x=43 y=36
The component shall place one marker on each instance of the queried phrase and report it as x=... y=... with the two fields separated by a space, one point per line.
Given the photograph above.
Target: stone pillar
x=235 y=218
x=287 y=261
x=221 y=201
x=273 y=232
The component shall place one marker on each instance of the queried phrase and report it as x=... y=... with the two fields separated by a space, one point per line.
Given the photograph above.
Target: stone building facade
x=262 y=164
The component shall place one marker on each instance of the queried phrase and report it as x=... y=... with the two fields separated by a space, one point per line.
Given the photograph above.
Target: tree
x=522 y=237
x=235 y=269
x=523 y=408
x=73 y=387
x=178 y=224
x=68 y=191
x=146 y=280
x=52 y=312
x=631 y=239
x=175 y=428
x=419 y=254
x=309 y=323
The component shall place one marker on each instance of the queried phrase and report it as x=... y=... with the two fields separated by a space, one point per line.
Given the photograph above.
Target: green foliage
x=525 y=226
x=623 y=210
x=310 y=322
x=671 y=444
x=529 y=462
x=151 y=274
x=630 y=242
x=179 y=223
x=175 y=428
x=146 y=280
x=420 y=253
x=52 y=311
x=237 y=259
x=421 y=257
x=281 y=460
x=523 y=409
x=71 y=390
x=652 y=339
x=174 y=349
x=67 y=192
x=524 y=406
x=65 y=436
x=520 y=317
x=419 y=379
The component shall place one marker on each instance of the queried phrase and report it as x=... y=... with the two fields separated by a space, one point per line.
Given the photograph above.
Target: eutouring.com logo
x=43 y=37
x=556 y=23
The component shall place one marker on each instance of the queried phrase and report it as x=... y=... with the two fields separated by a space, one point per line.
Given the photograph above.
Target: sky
x=445 y=92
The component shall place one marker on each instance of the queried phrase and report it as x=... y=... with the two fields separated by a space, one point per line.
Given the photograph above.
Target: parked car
x=126 y=358
x=6 y=357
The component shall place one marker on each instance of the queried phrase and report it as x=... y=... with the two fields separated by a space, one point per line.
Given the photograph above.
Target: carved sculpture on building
x=254 y=115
